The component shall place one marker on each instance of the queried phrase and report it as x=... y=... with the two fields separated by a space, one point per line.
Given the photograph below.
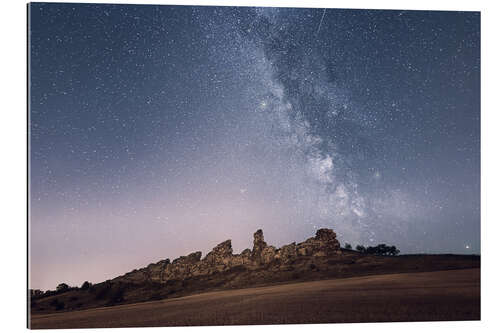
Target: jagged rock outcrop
x=262 y=253
x=258 y=243
x=220 y=254
x=287 y=254
x=324 y=244
x=221 y=258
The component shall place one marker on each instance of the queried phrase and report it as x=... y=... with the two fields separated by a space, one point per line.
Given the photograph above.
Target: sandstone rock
x=189 y=259
x=258 y=242
x=221 y=258
x=325 y=235
x=328 y=241
x=262 y=253
x=245 y=258
x=303 y=250
x=267 y=254
x=325 y=243
x=287 y=253
x=236 y=260
x=246 y=253
x=220 y=253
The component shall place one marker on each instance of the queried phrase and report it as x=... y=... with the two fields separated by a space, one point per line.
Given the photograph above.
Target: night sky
x=156 y=131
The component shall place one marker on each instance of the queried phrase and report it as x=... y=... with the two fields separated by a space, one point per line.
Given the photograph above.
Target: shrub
x=58 y=305
x=360 y=248
x=35 y=293
x=62 y=287
x=380 y=250
x=116 y=294
x=86 y=285
x=102 y=290
x=348 y=246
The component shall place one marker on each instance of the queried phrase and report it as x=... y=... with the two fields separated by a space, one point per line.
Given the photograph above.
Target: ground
x=422 y=296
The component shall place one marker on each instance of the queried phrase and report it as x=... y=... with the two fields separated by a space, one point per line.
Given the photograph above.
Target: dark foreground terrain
x=423 y=296
x=314 y=281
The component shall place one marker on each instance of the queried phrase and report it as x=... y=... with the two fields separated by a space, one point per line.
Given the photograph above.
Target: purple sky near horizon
x=156 y=131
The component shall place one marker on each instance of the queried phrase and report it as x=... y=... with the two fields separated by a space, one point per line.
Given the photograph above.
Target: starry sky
x=156 y=131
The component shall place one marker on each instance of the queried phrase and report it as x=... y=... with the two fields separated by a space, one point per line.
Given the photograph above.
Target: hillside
x=317 y=258
x=425 y=296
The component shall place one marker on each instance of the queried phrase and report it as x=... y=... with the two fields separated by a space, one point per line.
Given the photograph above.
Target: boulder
x=287 y=253
x=325 y=235
x=325 y=243
x=220 y=253
x=328 y=242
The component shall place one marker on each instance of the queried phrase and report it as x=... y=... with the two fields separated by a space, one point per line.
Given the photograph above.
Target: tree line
x=380 y=249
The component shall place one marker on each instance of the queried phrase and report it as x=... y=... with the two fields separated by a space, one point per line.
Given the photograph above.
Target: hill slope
x=443 y=295
x=317 y=258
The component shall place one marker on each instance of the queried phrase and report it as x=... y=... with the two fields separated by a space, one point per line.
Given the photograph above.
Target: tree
x=35 y=292
x=382 y=250
x=393 y=251
x=360 y=248
x=62 y=287
x=348 y=246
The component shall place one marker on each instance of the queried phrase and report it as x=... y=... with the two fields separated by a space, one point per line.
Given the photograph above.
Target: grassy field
x=427 y=296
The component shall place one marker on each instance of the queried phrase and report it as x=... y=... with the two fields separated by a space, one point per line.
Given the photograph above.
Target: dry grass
x=442 y=295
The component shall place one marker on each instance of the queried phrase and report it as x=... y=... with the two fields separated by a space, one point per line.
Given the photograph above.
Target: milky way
x=160 y=130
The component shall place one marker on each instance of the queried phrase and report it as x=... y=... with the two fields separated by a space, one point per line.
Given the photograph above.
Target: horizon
x=204 y=253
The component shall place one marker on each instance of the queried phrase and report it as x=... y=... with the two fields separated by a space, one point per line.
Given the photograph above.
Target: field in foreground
x=426 y=296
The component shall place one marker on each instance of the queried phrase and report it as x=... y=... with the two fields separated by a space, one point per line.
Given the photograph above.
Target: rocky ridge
x=316 y=258
x=222 y=259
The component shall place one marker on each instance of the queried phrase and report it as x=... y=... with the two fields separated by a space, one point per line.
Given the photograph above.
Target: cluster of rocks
x=221 y=258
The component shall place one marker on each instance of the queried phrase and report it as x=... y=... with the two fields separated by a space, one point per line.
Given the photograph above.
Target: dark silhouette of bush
x=85 y=286
x=112 y=292
x=48 y=293
x=116 y=293
x=62 y=287
x=102 y=290
x=393 y=251
x=360 y=248
x=35 y=294
x=382 y=250
x=348 y=246
x=58 y=305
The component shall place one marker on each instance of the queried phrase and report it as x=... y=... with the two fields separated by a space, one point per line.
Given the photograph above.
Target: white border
x=13 y=172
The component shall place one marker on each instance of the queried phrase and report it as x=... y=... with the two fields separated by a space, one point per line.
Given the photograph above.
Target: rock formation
x=221 y=258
